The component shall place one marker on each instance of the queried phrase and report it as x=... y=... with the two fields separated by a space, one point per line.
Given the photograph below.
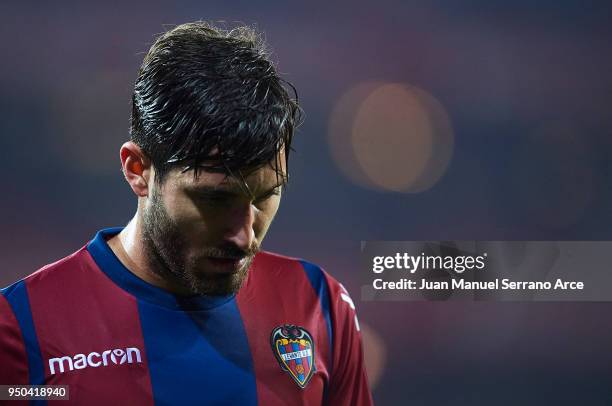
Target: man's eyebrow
x=273 y=188
x=228 y=189
x=216 y=190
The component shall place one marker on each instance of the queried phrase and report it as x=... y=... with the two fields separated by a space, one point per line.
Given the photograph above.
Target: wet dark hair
x=211 y=98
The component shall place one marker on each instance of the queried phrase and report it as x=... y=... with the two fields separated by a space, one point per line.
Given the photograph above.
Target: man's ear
x=136 y=167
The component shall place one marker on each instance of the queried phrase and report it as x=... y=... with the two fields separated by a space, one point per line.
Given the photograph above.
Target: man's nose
x=240 y=230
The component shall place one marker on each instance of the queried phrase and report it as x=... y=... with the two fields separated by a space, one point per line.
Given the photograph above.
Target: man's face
x=203 y=232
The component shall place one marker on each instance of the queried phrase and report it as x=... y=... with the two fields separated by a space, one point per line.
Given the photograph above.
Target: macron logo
x=94 y=359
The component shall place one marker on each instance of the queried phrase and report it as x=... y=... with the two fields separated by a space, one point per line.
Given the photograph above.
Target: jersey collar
x=108 y=262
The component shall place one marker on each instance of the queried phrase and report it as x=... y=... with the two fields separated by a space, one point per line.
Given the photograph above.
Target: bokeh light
x=391 y=136
x=375 y=354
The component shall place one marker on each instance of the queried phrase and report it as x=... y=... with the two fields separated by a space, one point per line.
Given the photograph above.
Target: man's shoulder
x=53 y=273
x=275 y=259
x=291 y=268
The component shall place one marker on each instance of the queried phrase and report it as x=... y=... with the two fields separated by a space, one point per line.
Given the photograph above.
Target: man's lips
x=226 y=265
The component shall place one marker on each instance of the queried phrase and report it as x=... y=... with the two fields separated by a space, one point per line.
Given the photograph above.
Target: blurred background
x=480 y=120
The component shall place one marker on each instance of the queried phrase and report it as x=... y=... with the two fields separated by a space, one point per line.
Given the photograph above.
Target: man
x=180 y=306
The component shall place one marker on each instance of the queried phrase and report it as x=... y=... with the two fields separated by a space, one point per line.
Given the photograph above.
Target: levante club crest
x=294 y=349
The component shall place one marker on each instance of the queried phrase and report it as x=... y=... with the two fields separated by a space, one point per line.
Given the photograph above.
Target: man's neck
x=128 y=247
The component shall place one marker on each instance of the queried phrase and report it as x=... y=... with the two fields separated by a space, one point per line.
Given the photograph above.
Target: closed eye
x=273 y=192
x=214 y=197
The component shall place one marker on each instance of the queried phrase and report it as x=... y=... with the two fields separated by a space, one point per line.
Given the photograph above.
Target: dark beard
x=166 y=250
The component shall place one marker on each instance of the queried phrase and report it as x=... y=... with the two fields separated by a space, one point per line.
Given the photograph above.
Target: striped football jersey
x=288 y=337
